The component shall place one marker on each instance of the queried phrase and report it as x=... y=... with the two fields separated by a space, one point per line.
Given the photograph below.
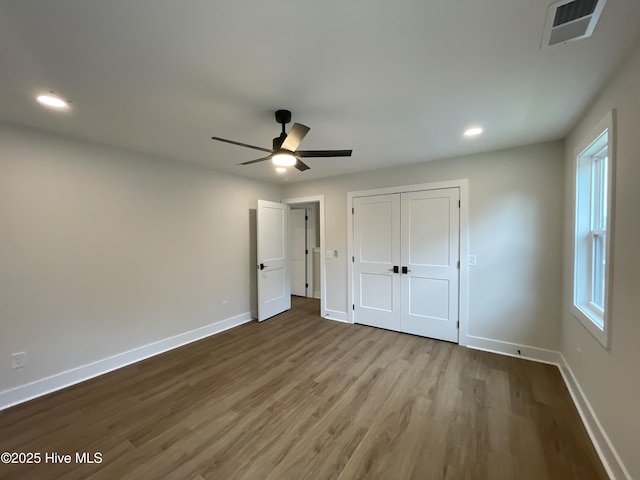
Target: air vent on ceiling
x=569 y=20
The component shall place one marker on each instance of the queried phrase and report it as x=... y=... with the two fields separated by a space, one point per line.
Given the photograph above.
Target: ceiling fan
x=285 y=151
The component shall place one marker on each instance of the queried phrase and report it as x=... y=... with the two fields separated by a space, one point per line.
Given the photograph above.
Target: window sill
x=592 y=321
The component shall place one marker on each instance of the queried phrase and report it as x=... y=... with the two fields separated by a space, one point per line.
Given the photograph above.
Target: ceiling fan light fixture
x=283 y=159
x=281 y=170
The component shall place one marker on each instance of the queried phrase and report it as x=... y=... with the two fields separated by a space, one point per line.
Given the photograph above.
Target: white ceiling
x=397 y=81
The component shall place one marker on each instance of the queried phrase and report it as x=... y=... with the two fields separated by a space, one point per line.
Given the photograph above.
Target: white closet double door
x=406 y=262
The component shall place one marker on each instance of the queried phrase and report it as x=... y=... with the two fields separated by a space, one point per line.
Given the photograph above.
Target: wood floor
x=298 y=397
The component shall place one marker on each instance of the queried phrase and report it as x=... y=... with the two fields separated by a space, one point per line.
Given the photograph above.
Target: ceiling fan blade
x=323 y=153
x=255 y=161
x=295 y=136
x=300 y=165
x=241 y=144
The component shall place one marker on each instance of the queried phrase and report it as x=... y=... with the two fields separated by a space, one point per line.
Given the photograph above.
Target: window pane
x=603 y=194
x=599 y=249
x=599 y=194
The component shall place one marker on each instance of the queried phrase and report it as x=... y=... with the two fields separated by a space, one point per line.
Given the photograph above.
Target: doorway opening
x=306 y=244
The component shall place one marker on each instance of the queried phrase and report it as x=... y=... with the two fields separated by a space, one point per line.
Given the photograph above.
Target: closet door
x=376 y=250
x=430 y=253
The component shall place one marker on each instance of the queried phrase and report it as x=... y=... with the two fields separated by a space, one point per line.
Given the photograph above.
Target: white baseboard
x=29 y=391
x=335 y=315
x=511 y=349
x=608 y=454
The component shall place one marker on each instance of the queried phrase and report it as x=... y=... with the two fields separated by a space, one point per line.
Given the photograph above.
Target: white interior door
x=376 y=253
x=417 y=233
x=430 y=253
x=274 y=287
x=297 y=251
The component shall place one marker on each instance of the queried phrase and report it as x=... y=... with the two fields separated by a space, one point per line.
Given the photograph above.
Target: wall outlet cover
x=18 y=360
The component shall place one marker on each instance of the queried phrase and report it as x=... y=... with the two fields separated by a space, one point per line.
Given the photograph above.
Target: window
x=594 y=166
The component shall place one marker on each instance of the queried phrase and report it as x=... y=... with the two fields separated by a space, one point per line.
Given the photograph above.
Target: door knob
x=395 y=269
x=263 y=266
x=405 y=270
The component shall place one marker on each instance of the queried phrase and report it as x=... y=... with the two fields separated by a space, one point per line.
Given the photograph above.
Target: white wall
x=103 y=250
x=610 y=378
x=516 y=199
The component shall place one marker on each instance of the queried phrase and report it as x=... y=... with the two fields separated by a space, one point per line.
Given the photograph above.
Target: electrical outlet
x=472 y=260
x=18 y=360
x=225 y=305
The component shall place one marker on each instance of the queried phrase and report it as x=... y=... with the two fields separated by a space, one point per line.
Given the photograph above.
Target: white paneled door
x=430 y=252
x=274 y=287
x=406 y=270
x=377 y=254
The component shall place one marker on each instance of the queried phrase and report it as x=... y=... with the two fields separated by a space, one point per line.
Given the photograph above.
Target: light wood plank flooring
x=299 y=397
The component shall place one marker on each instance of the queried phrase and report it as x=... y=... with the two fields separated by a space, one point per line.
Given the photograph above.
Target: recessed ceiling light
x=281 y=169
x=472 y=132
x=52 y=101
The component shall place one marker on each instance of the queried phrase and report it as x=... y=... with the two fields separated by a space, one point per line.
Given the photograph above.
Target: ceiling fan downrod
x=282 y=117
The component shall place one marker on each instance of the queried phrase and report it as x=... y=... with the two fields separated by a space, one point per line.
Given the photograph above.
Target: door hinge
x=353 y=259
x=306 y=285
x=306 y=252
x=458 y=203
x=353 y=210
x=458 y=324
x=353 y=307
x=458 y=263
x=306 y=218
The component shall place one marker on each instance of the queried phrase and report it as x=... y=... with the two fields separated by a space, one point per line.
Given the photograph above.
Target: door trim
x=319 y=199
x=463 y=294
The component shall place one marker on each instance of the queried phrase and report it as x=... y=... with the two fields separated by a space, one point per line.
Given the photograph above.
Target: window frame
x=588 y=226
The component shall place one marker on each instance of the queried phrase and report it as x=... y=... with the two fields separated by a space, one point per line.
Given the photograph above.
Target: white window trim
x=589 y=315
